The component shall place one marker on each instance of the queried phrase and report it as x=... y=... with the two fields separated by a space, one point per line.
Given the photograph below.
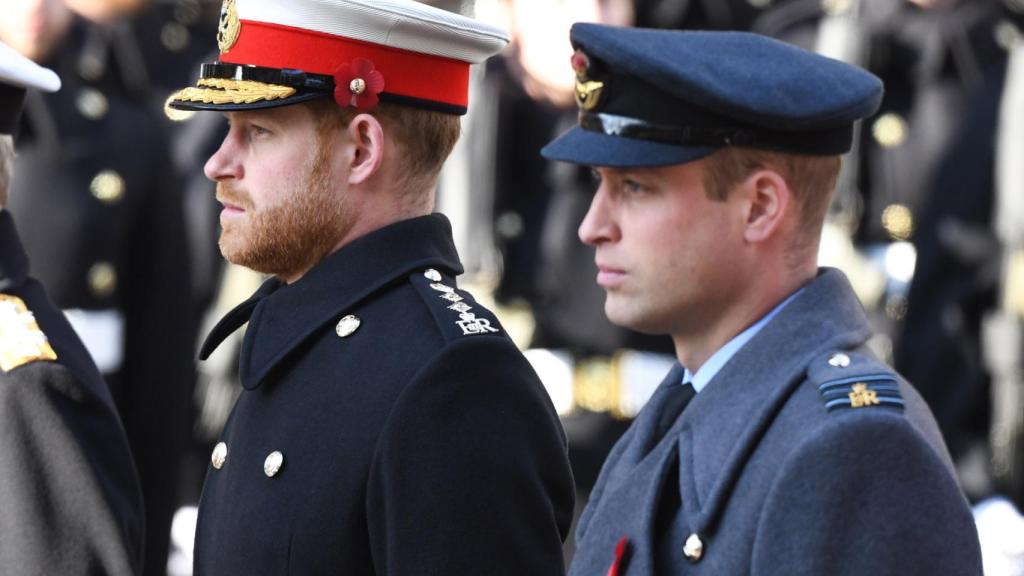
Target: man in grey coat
x=69 y=497
x=798 y=452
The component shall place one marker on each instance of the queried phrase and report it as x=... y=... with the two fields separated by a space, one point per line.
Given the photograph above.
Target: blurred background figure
x=101 y=211
x=68 y=476
x=962 y=337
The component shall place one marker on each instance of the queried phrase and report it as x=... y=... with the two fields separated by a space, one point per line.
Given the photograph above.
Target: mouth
x=231 y=206
x=230 y=210
x=609 y=276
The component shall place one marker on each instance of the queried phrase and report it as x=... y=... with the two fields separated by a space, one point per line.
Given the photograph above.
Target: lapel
x=281 y=317
x=625 y=501
x=722 y=426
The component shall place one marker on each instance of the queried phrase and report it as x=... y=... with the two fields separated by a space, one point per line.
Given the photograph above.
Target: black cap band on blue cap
x=11 y=99
x=821 y=142
x=668 y=119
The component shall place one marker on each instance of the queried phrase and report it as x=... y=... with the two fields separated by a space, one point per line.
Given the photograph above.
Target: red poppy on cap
x=358 y=84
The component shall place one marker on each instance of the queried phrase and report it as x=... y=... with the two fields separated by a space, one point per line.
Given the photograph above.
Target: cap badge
x=358 y=84
x=229 y=27
x=588 y=92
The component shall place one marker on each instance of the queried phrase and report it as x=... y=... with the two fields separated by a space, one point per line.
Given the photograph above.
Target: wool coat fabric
x=411 y=436
x=804 y=455
x=70 y=501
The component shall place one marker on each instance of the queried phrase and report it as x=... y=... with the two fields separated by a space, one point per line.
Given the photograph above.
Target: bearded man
x=388 y=424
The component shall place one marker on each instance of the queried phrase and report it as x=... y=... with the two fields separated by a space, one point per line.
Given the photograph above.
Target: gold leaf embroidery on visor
x=228 y=91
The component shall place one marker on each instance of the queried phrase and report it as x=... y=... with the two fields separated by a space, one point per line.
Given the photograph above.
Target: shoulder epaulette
x=851 y=380
x=456 y=312
x=21 y=340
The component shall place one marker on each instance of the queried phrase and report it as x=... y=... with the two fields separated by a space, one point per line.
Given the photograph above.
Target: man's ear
x=769 y=202
x=366 y=137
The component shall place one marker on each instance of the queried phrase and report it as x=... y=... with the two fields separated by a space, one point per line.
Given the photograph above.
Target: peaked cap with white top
x=18 y=74
x=280 y=52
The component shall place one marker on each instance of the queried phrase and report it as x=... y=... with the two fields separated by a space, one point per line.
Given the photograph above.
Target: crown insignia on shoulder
x=861 y=392
x=461 y=311
x=21 y=340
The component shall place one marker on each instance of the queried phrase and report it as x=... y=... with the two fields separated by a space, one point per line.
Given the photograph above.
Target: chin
x=638 y=320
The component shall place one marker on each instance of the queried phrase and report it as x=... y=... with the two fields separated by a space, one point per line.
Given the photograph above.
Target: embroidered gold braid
x=228 y=91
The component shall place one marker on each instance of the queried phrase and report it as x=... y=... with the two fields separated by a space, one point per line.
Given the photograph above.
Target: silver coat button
x=219 y=456
x=102 y=279
x=839 y=360
x=272 y=465
x=347 y=326
x=432 y=275
x=107 y=187
x=92 y=104
x=693 y=549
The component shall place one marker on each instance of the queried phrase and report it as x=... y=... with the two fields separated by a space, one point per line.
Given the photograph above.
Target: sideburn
x=289 y=239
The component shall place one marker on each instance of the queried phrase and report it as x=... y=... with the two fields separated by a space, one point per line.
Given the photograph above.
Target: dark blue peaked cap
x=661 y=97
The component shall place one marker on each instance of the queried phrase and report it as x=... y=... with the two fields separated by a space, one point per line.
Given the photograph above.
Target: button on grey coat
x=786 y=464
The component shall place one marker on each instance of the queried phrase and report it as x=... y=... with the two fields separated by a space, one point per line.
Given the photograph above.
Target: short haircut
x=425 y=138
x=6 y=166
x=810 y=178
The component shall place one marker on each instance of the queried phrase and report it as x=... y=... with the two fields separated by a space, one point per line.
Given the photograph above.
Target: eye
x=631 y=186
x=257 y=131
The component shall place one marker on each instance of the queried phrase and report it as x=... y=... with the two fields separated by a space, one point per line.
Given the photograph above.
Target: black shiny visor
x=224 y=86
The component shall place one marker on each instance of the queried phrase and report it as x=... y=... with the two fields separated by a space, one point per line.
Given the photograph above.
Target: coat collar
x=281 y=316
x=825 y=316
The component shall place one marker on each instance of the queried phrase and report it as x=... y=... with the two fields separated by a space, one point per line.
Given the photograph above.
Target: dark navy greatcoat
x=411 y=436
x=69 y=498
x=779 y=466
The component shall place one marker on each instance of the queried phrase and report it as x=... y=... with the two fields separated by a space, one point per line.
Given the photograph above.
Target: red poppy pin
x=618 y=567
x=580 y=64
x=358 y=84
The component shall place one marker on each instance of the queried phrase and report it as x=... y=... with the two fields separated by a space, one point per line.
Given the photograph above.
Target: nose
x=225 y=164
x=599 y=226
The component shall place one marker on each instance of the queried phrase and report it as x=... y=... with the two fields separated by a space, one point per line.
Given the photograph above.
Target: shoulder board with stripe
x=855 y=381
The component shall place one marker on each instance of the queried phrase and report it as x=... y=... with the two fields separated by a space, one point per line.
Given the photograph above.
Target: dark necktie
x=679 y=396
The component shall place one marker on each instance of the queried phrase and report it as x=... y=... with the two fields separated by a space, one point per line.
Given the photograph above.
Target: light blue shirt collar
x=722 y=356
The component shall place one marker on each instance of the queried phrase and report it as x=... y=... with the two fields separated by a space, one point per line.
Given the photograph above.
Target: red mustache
x=231 y=196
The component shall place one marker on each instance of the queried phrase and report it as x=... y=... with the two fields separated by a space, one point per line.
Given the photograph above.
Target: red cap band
x=409 y=74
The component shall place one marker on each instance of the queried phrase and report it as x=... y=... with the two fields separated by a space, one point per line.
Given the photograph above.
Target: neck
x=383 y=209
x=694 y=347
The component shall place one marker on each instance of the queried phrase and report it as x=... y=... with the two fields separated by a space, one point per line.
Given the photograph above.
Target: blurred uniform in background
x=965 y=317
x=101 y=213
x=68 y=490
